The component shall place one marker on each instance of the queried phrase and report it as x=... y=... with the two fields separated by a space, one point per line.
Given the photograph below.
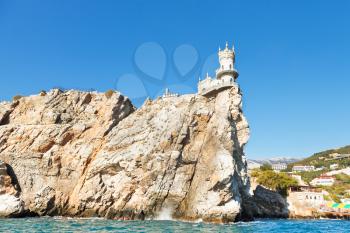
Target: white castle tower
x=225 y=74
x=227 y=62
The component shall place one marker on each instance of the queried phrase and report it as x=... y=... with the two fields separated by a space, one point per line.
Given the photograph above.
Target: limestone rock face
x=10 y=204
x=50 y=139
x=83 y=154
x=267 y=204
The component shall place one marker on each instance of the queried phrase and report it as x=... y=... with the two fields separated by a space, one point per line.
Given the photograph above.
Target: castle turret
x=227 y=62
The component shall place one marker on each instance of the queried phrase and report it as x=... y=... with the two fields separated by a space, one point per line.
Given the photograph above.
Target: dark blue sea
x=101 y=225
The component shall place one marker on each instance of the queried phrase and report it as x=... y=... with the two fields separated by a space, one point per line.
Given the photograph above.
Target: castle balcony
x=221 y=72
x=215 y=86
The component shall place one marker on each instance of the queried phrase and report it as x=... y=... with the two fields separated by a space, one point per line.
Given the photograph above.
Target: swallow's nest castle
x=225 y=78
x=226 y=74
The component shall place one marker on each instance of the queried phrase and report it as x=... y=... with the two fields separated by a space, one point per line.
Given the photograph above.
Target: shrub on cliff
x=16 y=97
x=275 y=181
x=109 y=93
x=43 y=93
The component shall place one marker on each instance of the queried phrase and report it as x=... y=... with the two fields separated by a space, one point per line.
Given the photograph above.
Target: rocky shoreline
x=89 y=154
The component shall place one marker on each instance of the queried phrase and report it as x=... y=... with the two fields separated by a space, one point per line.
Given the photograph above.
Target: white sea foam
x=165 y=213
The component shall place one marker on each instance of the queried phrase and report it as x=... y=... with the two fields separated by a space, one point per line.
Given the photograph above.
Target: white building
x=253 y=165
x=346 y=171
x=345 y=200
x=279 y=166
x=225 y=74
x=320 y=168
x=309 y=198
x=304 y=199
x=333 y=166
x=323 y=181
x=303 y=168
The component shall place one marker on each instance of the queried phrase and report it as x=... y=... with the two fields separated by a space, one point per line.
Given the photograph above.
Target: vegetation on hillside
x=266 y=167
x=275 y=181
x=323 y=159
x=309 y=176
x=279 y=181
x=340 y=189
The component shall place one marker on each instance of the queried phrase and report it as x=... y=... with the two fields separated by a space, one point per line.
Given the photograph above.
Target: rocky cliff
x=90 y=154
x=265 y=203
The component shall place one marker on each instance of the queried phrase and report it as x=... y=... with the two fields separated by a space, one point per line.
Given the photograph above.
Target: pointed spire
x=233 y=47
x=199 y=78
x=207 y=75
x=219 y=48
x=226 y=45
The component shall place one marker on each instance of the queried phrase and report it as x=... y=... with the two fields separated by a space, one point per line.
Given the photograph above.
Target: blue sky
x=292 y=56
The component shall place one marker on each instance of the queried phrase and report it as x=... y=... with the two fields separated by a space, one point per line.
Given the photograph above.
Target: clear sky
x=292 y=56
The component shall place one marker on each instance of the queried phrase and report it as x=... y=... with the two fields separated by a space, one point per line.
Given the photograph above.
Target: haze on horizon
x=292 y=57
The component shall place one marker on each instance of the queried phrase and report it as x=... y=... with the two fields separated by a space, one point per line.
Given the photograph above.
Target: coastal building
x=333 y=166
x=323 y=180
x=303 y=168
x=320 y=168
x=225 y=77
x=252 y=165
x=307 y=194
x=304 y=200
x=345 y=200
x=345 y=171
x=277 y=167
x=337 y=156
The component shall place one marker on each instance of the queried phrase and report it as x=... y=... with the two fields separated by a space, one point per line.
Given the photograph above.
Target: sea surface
x=101 y=225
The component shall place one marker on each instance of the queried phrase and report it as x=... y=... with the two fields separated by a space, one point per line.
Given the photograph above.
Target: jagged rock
x=84 y=154
x=5 y=111
x=10 y=204
x=266 y=203
x=49 y=141
x=44 y=201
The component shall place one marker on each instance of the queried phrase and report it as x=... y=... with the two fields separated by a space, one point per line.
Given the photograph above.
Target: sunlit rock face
x=10 y=204
x=86 y=154
x=49 y=139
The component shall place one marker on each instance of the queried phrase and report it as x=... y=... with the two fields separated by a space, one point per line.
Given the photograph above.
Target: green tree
x=279 y=182
x=266 y=167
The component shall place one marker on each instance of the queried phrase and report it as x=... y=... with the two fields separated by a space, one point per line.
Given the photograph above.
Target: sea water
x=102 y=225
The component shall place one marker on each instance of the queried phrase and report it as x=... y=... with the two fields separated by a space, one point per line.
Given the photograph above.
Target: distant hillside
x=254 y=163
x=286 y=160
x=326 y=158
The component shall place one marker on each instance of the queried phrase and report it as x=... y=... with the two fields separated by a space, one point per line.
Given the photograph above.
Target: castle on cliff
x=226 y=74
